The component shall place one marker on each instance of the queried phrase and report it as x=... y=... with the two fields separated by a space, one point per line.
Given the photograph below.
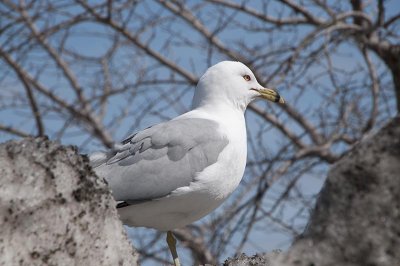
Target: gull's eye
x=246 y=77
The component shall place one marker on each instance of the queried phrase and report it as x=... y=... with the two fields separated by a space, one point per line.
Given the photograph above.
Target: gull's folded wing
x=154 y=162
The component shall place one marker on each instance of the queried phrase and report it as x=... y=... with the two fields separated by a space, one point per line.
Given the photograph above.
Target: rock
x=258 y=259
x=357 y=216
x=55 y=211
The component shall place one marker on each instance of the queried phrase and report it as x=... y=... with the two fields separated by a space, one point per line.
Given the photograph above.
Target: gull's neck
x=220 y=111
x=211 y=104
x=230 y=118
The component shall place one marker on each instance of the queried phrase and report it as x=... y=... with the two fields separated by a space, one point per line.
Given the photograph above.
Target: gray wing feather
x=153 y=162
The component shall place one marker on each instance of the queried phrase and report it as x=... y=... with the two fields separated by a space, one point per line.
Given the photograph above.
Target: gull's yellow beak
x=270 y=95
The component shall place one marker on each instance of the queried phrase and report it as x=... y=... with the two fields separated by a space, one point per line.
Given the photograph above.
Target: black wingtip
x=122 y=204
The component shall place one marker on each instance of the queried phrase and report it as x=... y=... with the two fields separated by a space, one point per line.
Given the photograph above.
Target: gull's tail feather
x=97 y=158
x=101 y=157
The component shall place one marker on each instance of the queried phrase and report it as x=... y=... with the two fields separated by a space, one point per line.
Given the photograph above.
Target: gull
x=174 y=173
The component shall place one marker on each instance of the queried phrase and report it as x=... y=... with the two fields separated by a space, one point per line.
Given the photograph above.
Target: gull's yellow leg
x=172 y=247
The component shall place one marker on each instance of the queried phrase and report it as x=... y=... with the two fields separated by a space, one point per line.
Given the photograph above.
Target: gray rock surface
x=357 y=216
x=55 y=211
x=258 y=259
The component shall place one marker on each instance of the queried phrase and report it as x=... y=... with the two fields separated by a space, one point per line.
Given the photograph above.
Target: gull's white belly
x=188 y=204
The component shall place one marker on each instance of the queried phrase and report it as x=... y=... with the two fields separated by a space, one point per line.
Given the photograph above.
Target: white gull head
x=233 y=84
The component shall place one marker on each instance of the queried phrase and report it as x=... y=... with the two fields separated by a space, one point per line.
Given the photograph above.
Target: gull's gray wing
x=153 y=162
